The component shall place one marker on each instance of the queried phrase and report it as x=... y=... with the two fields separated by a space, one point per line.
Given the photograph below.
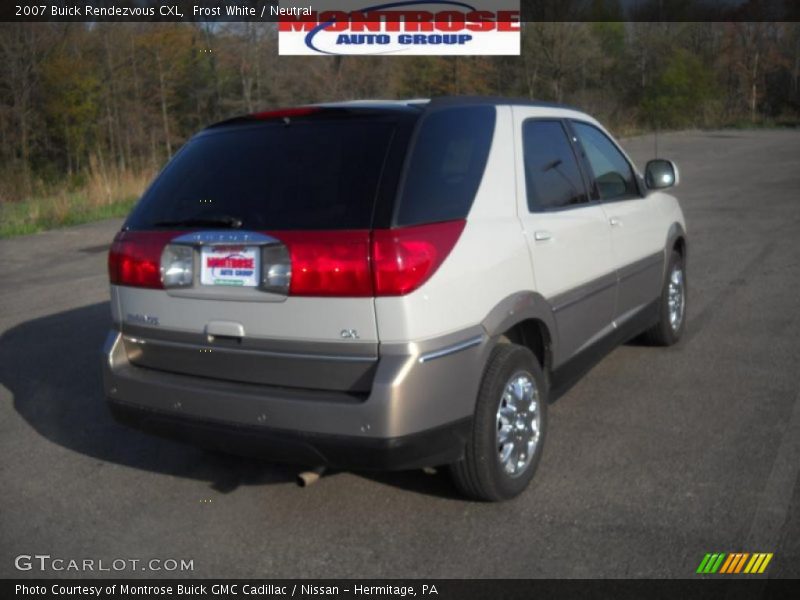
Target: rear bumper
x=441 y=445
x=418 y=412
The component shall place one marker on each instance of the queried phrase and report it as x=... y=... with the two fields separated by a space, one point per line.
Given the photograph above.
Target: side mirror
x=660 y=174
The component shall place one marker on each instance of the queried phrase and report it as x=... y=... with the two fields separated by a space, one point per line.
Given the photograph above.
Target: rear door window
x=446 y=165
x=307 y=174
x=552 y=177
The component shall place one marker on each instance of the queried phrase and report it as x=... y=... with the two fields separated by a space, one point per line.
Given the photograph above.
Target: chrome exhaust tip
x=310 y=477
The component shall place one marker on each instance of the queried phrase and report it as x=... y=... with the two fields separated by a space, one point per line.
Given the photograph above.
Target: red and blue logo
x=405 y=27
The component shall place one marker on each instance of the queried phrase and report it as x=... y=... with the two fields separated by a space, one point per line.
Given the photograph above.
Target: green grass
x=41 y=214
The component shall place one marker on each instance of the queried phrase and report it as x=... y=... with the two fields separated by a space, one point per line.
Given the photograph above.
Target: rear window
x=309 y=174
x=446 y=165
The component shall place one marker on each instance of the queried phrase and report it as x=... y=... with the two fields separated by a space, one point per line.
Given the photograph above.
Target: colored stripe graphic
x=727 y=564
x=718 y=564
x=756 y=558
x=741 y=562
x=703 y=563
x=758 y=563
x=734 y=562
x=730 y=564
x=765 y=563
x=711 y=562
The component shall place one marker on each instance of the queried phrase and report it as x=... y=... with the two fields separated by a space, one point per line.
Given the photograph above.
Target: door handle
x=542 y=236
x=615 y=222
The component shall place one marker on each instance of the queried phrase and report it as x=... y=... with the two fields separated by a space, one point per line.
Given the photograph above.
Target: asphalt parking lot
x=655 y=458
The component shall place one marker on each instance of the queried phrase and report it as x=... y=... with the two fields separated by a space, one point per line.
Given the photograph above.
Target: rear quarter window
x=446 y=164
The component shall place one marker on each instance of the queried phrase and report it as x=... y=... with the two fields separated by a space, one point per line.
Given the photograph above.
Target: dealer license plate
x=229 y=265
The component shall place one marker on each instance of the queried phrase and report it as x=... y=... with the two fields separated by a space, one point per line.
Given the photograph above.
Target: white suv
x=389 y=285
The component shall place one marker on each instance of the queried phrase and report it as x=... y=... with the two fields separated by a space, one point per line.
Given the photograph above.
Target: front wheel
x=672 y=306
x=508 y=427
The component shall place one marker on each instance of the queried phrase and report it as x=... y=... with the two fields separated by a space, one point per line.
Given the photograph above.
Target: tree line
x=79 y=99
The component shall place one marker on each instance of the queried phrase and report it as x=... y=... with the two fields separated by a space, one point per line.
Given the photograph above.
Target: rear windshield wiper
x=221 y=221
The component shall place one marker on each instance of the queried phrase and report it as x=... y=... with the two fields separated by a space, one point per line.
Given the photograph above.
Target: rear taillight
x=328 y=263
x=351 y=263
x=389 y=262
x=135 y=258
x=403 y=259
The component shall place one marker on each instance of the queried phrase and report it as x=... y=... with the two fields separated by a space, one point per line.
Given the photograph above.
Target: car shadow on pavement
x=52 y=367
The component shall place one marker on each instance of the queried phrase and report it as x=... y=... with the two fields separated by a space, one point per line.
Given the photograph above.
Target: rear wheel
x=508 y=427
x=672 y=309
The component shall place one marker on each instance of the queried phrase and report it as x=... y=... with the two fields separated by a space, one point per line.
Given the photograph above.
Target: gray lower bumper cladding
x=417 y=414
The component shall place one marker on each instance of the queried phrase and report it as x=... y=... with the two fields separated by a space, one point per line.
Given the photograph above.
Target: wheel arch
x=676 y=240
x=525 y=318
x=534 y=335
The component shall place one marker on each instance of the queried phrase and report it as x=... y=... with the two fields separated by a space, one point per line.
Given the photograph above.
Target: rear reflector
x=177 y=266
x=135 y=258
x=404 y=259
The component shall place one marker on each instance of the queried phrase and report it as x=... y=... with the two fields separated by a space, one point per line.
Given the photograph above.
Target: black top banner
x=273 y=10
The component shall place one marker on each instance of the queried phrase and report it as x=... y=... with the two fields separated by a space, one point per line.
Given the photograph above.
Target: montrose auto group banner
x=399 y=28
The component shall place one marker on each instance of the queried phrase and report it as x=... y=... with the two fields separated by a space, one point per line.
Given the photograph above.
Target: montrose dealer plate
x=235 y=266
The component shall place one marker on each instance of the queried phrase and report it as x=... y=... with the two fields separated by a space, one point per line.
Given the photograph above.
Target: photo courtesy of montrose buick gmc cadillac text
x=389 y=285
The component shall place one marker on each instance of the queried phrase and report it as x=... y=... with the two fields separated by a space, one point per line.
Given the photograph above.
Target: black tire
x=480 y=474
x=663 y=333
